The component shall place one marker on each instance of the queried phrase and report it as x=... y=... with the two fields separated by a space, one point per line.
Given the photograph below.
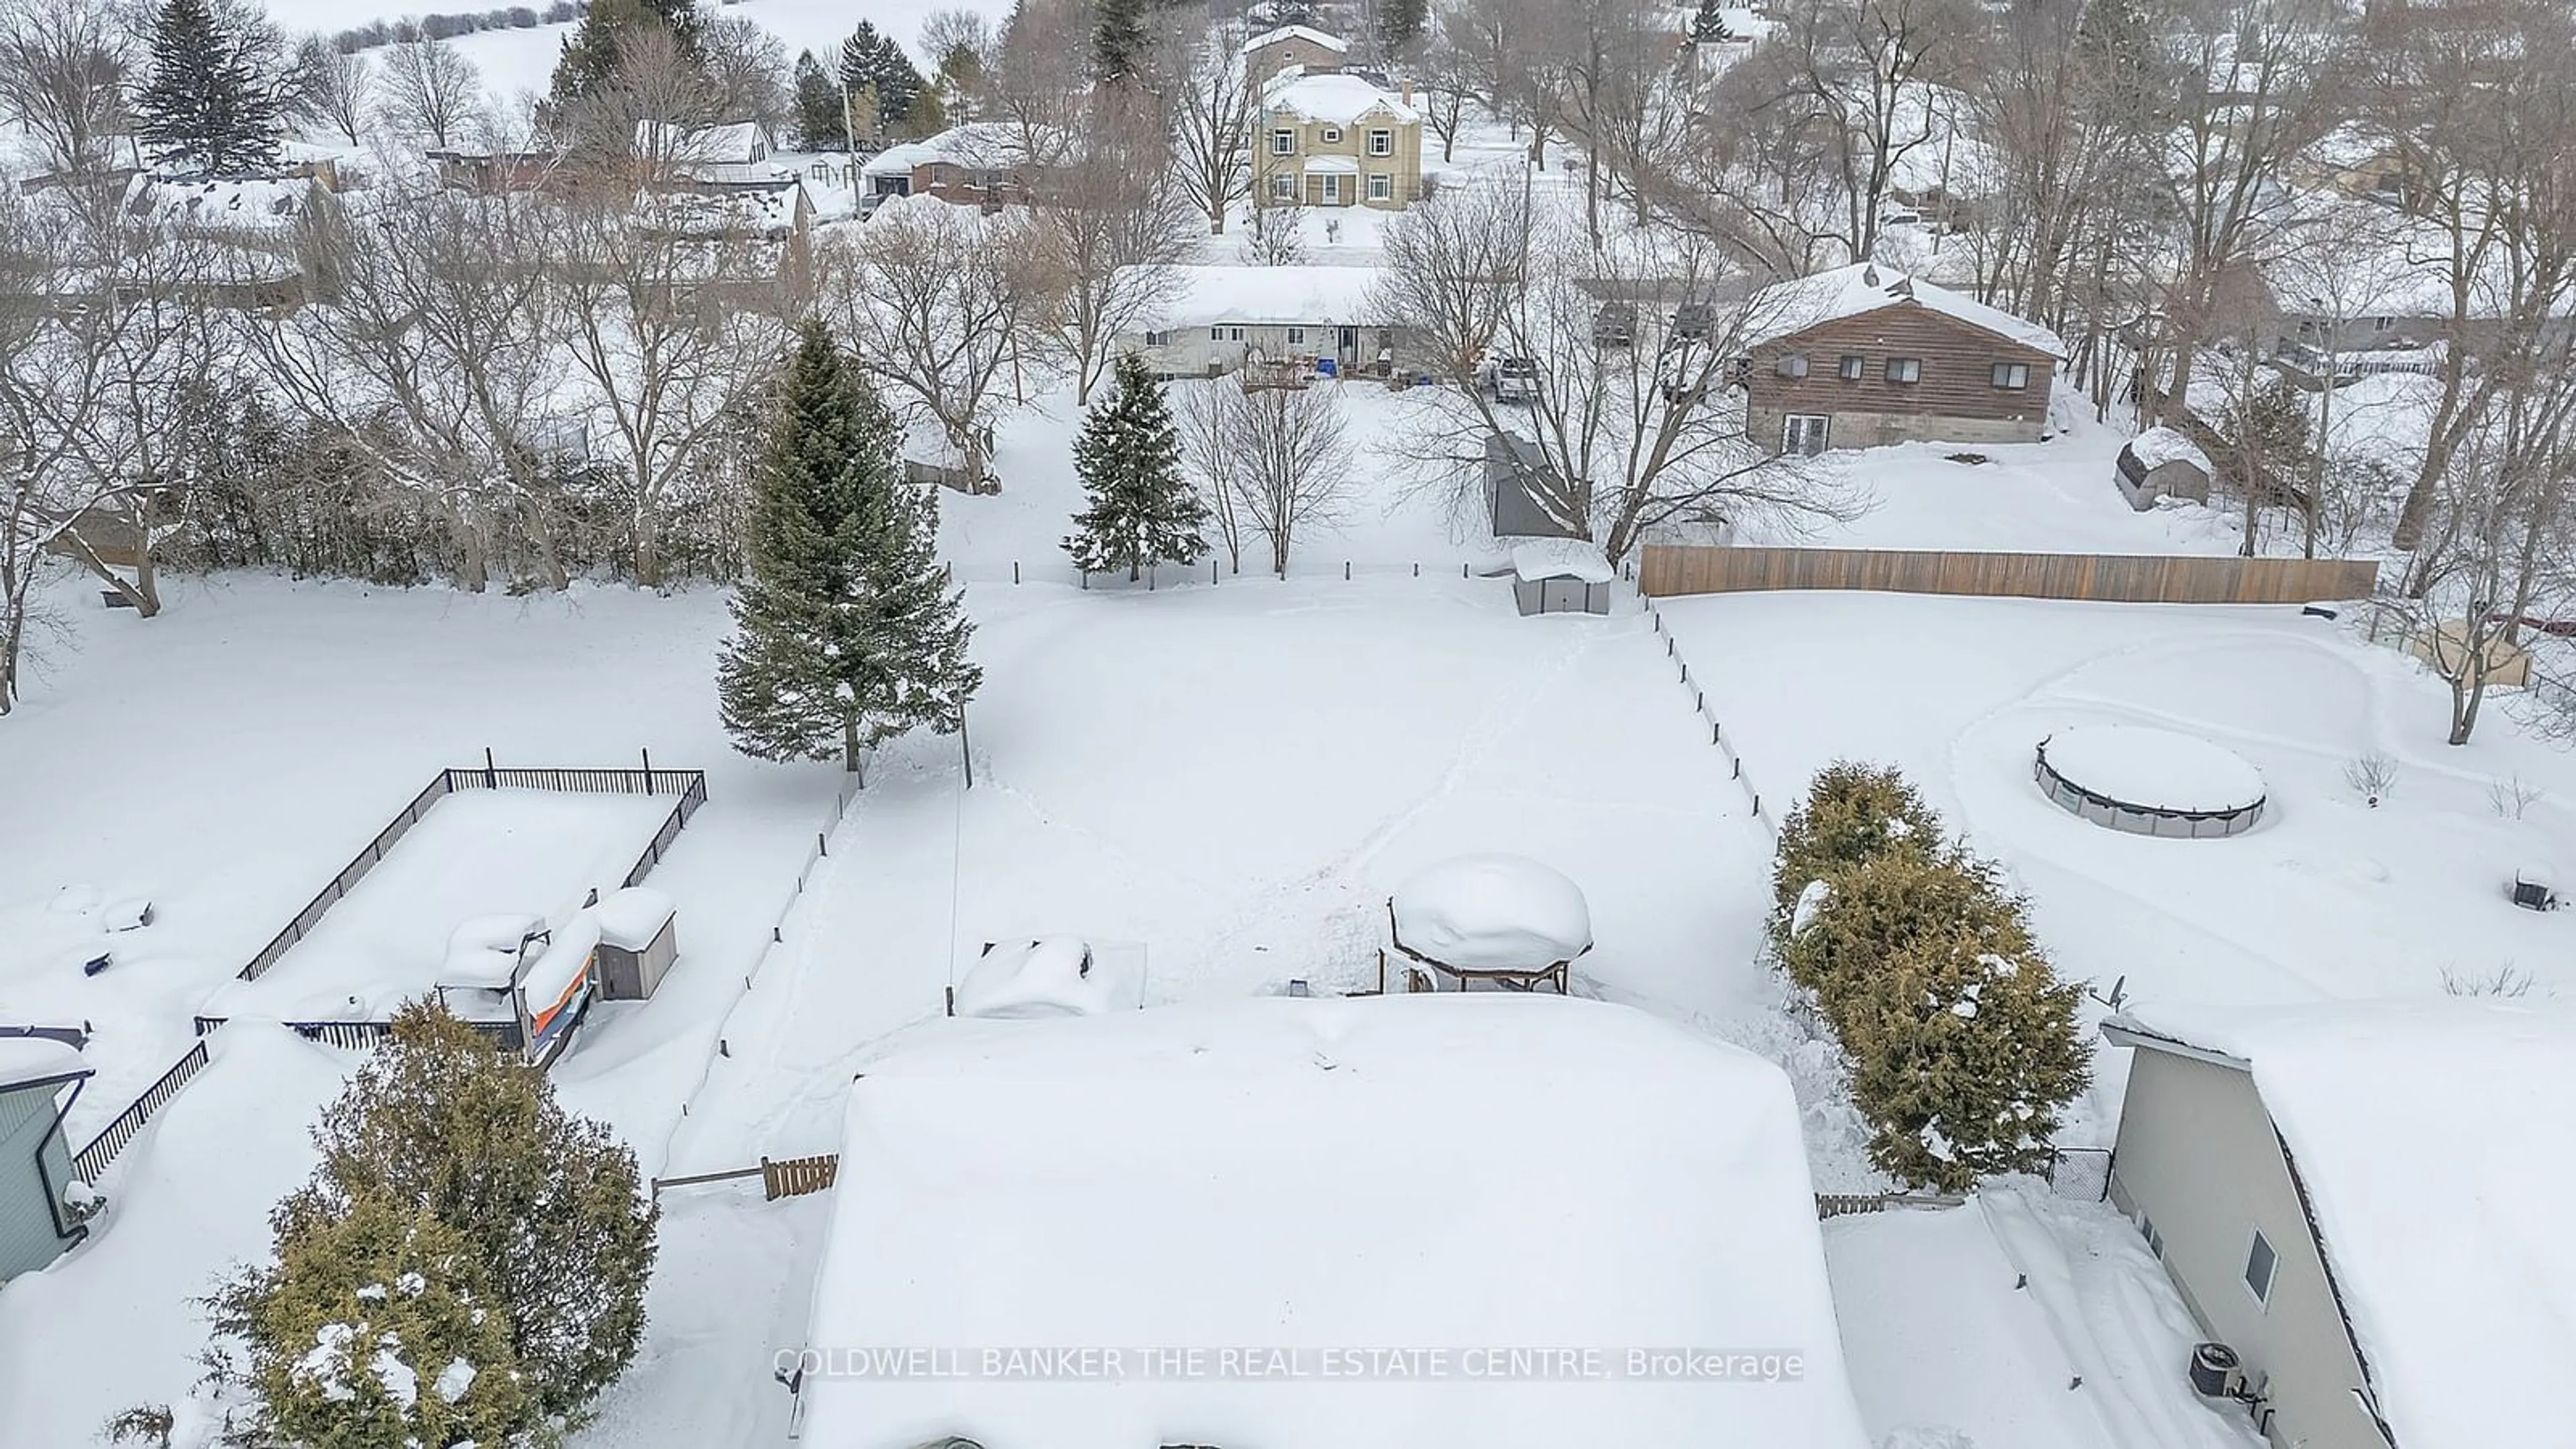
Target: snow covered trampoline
x=2150 y=781
x=1496 y=922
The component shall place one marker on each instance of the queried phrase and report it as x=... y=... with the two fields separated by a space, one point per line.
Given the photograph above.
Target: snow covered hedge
x=1853 y=813
x=1964 y=1045
x=467 y=1263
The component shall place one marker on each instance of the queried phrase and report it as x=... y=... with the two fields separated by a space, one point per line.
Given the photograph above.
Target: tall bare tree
x=1106 y=228
x=934 y=299
x=339 y=85
x=431 y=92
x=1292 y=461
x=1211 y=111
x=1634 y=427
x=63 y=72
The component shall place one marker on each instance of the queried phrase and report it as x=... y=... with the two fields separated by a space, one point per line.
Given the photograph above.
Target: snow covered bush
x=1852 y=813
x=1964 y=1045
x=375 y=1329
x=548 y=1206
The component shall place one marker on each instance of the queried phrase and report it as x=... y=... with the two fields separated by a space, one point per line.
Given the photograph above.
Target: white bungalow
x=1219 y=318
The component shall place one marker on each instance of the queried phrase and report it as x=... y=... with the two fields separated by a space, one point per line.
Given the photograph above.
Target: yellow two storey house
x=1336 y=139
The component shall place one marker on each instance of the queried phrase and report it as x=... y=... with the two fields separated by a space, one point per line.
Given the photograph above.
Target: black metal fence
x=690 y=786
x=92 y=1160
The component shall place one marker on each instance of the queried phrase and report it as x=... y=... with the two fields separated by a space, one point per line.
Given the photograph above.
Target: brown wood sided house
x=1864 y=356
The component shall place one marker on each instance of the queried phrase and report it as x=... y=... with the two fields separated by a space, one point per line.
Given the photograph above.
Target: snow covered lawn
x=2326 y=897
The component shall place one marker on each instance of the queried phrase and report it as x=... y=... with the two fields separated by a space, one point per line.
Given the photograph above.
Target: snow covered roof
x=1794 y=306
x=736 y=141
x=2416 y=1126
x=767 y=210
x=1052 y=976
x=976 y=143
x=1248 y=1184
x=1492 y=913
x=264 y=204
x=1332 y=166
x=1306 y=33
x=631 y=917
x=1561 y=558
x=27 y=1060
x=1335 y=96
x=1312 y=295
x=2158 y=446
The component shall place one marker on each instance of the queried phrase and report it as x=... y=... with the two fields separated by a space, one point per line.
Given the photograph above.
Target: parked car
x=1693 y=321
x=1511 y=379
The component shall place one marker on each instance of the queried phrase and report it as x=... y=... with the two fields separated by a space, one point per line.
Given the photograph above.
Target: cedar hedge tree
x=1853 y=813
x=377 y=1329
x=1142 y=510
x=1964 y=1046
x=528 y=1228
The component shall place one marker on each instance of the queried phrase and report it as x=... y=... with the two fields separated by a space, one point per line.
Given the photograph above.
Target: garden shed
x=2161 y=463
x=637 y=942
x=1561 y=576
x=41 y=1201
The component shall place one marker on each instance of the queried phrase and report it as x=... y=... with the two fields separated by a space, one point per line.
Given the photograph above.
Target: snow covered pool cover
x=2431 y=1138
x=2155 y=769
x=1452 y=1173
x=1492 y=913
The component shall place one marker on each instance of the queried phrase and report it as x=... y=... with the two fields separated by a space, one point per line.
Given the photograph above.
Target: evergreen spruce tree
x=1708 y=25
x=591 y=54
x=550 y=1206
x=1273 y=14
x=1118 y=39
x=821 y=124
x=1399 y=24
x=211 y=98
x=871 y=61
x=1143 y=510
x=847 y=631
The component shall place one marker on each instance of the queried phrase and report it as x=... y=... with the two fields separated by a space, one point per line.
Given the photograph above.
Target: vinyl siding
x=2199 y=1158
x=1403 y=168
x=28 y=1237
x=1955 y=401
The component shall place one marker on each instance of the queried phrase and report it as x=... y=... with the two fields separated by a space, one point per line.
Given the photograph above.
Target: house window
x=1793 y=365
x=1332 y=189
x=1381 y=143
x=1158 y=339
x=1283 y=188
x=2013 y=376
x=2260 y=1263
x=1381 y=187
x=1234 y=334
x=1803 y=433
x=1283 y=143
x=1854 y=367
x=1216 y=334
x=1905 y=369
x=1296 y=336
x=1332 y=135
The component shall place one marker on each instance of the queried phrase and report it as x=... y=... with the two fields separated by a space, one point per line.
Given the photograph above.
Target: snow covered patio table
x=1265 y=1222
x=1501 y=921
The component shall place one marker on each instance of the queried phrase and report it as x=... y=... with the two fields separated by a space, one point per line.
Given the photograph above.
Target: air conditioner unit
x=2216 y=1372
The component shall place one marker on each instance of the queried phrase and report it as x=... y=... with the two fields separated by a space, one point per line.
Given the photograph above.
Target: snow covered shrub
x=1964 y=1045
x=549 y=1204
x=1852 y=813
x=375 y=1329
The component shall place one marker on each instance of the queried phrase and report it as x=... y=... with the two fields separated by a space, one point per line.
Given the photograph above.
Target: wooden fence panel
x=1668 y=570
x=796 y=1176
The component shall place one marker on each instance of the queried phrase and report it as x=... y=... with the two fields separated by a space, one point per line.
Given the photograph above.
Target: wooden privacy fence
x=92 y=1160
x=789 y=1177
x=1668 y=569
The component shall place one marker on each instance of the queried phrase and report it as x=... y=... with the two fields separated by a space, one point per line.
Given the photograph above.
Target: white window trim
x=1296 y=336
x=1381 y=143
x=1789 y=430
x=1283 y=143
x=1283 y=187
x=1332 y=135
x=1381 y=186
x=1332 y=188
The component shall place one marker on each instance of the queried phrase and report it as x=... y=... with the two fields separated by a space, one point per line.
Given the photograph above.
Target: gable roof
x=1335 y=96
x=1298 y=1175
x=30 y=1061
x=2416 y=1127
x=1308 y=296
x=1305 y=33
x=1794 y=306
